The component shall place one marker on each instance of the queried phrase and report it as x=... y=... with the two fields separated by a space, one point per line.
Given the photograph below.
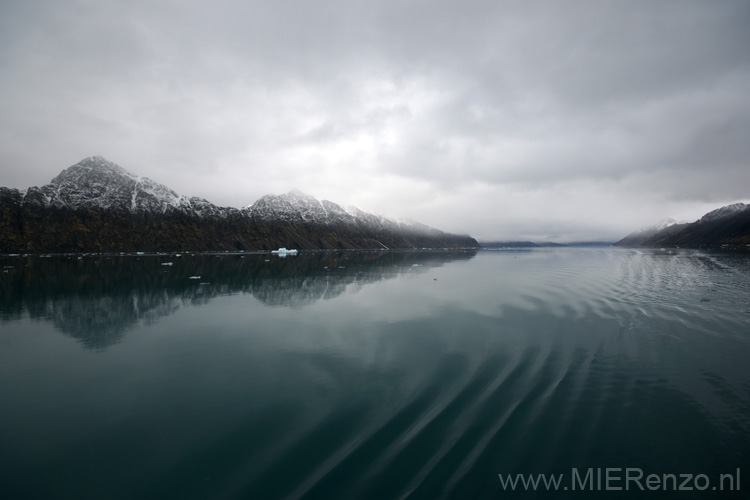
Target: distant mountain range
x=728 y=226
x=540 y=244
x=97 y=206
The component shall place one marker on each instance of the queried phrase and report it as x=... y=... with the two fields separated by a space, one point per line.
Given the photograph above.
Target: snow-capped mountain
x=637 y=238
x=662 y=224
x=725 y=226
x=297 y=206
x=96 y=183
x=96 y=205
x=723 y=212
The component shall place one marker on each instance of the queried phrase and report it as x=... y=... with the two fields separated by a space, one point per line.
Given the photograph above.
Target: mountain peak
x=294 y=205
x=91 y=168
x=662 y=224
x=722 y=212
x=98 y=161
x=299 y=194
x=98 y=183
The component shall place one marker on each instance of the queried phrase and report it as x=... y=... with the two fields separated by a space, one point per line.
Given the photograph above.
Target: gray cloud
x=562 y=120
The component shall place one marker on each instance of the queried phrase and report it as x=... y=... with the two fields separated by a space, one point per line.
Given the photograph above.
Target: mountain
x=97 y=206
x=516 y=244
x=638 y=238
x=98 y=184
x=726 y=226
x=540 y=244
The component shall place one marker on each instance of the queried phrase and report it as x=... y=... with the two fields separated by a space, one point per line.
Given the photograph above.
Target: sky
x=545 y=121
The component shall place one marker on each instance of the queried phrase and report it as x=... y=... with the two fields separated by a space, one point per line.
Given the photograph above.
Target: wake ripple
x=616 y=360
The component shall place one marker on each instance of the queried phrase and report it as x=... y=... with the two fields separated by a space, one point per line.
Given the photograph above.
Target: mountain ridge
x=96 y=205
x=728 y=226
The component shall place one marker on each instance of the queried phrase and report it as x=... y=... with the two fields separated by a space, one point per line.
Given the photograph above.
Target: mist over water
x=370 y=375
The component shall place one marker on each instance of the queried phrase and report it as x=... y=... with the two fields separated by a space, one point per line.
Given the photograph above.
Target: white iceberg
x=283 y=251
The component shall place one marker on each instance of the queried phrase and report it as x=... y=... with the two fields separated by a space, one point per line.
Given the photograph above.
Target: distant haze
x=549 y=120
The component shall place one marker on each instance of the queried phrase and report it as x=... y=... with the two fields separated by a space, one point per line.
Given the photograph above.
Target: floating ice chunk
x=167 y=263
x=283 y=251
x=194 y=278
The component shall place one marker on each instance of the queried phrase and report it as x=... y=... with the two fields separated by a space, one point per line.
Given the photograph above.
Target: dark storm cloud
x=532 y=112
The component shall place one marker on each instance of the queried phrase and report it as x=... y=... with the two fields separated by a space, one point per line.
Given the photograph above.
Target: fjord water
x=370 y=375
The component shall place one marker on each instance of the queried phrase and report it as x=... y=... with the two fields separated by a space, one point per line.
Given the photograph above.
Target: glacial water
x=366 y=375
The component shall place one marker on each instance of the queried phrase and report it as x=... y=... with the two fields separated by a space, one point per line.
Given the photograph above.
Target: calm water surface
x=371 y=375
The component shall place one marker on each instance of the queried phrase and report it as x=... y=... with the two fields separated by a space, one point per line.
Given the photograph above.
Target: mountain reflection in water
x=424 y=377
x=98 y=299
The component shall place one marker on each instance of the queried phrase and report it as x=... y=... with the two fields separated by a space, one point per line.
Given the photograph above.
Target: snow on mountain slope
x=96 y=183
x=296 y=206
x=722 y=212
x=663 y=224
x=292 y=207
x=725 y=226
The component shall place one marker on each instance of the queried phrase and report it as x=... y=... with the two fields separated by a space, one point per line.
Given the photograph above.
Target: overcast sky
x=545 y=120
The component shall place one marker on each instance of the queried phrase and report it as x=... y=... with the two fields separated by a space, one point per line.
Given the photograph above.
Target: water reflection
x=97 y=300
x=533 y=362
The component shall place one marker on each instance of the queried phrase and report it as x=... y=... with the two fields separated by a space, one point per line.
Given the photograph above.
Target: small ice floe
x=194 y=278
x=283 y=251
x=140 y=253
x=167 y=263
x=178 y=255
x=416 y=265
